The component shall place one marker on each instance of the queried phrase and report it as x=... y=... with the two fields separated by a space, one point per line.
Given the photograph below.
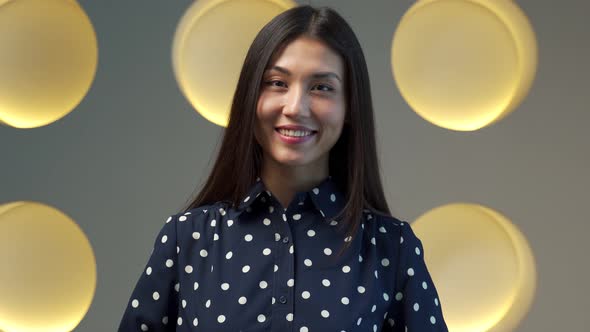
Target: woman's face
x=303 y=86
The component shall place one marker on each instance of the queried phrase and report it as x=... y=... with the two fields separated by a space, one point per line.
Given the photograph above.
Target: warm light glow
x=481 y=264
x=209 y=48
x=48 y=60
x=48 y=269
x=464 y=64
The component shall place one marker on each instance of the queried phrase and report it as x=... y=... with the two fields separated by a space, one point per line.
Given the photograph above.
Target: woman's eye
x=275 y=83
x=324 y=87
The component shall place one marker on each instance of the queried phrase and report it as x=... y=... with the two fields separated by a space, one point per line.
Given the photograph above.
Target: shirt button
x=286 y=239
x=283 y=299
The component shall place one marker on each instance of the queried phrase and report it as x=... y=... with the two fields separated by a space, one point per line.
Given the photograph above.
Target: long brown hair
x=240 y=156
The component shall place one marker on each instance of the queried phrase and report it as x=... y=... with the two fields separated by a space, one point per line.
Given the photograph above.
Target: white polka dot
x=424 y=285
x=361 y=289
x=277 y=236
x=229 y=255
x=148 y=271
x=385 y=262
x=208 y=303
x=385 y=296
x=196 y=286
x=276 y=268
x=345 y=300
x=401 y=239
x=266 y=252
x=184 y=303
x=164 y=238
x=311 y=233
x=291 y=249
x=373 y=308
x=391 y=321
x=358 y=322
x=213 y=223
x=333 y=223
x=182 y=218
x=203 y=253
x=290 y=282
x=169 y=219
x=289 y=317
x=325 y=313
x=177 y=249
x=432 y=319
x=135 y=303
x=188 y=269
x=169 y=263
x=284 y=217
x=327 y=251
x=261 y=318
x=215 y=237
x=156 y=296
x=416 y=307
x=242 y=300
x=399 y=296
x=305 y=295
x=348 y=239
x=263 y=284
x=360 y=258
x=382 y=229
x=266 y=221
x=333 y=198
x=195 y=322
x=373 y=241
x=410 y=271
x=177 y=287
x=196 y=235
x=144 y=327
x=179 y=321
x=248 y=237
x=417 y=251
x=376 y=275
x=346 y=269
x=246 y=268
x=221 y=318
x=296 y=216
x=230 y=222
x=165 y=320
x=225 y=286
x=303 y=329
x=273 y=300
x=307 y=262
x=436 y=302
x=326 y=282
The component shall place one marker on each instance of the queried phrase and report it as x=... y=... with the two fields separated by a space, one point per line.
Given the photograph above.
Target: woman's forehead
x=305 y=54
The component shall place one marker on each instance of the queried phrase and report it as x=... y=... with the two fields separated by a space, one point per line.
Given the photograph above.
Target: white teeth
x=295 y=133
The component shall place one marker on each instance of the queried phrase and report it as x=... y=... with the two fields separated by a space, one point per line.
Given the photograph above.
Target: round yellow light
x=209 y=48
x=48 y=60
x=48 y=274
x=481 y=264
x=464 y=64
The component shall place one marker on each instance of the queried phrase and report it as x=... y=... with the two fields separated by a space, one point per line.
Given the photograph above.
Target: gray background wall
x=134 y=151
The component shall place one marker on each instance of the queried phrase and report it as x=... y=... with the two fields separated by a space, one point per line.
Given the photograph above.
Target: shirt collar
x=326 y=197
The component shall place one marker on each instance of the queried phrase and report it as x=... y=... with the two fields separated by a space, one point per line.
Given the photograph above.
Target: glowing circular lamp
x=464 y=64
x=209 y=48
x=48 y=274
x=481 y=264
x=48 y=60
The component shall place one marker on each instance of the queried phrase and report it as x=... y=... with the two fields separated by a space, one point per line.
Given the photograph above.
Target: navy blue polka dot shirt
x=261 y=267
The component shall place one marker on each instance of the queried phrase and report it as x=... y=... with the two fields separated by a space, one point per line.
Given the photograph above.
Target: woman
x=292 y=231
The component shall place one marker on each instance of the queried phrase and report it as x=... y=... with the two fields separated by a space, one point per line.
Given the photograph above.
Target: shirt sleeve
x=416 y=306
x=153 y=305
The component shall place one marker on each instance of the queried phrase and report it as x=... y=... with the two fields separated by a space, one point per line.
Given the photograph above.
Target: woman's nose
x=297 y=101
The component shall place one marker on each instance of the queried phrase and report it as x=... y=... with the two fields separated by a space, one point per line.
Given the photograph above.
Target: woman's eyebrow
x=322 y=74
